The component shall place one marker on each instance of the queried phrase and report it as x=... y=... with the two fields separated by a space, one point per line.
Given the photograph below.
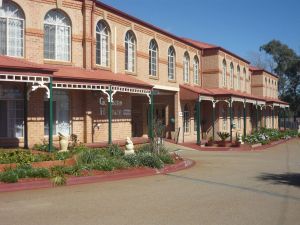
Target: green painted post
x=213 y=119
x=284 y=119
x=25 y=117
x=265 y=117
x=50 y=146
x=110 y=116
x=256 y=117
x=151 y=115
x=273 y=125
x=231 y=119
x=245 y=119
x=198 y=115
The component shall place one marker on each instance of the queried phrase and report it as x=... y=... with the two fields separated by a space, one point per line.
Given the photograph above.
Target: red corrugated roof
x=254 y=68
x=206 y=46
x=76 y=73
x=214 y=92
x=10 y=63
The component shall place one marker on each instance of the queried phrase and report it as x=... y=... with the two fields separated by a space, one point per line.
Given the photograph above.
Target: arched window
x=130 y=48
x=11 y=111
x=196 y=70
x=102 y=43
x=245 y=79
x=224 y=78
x=231 y=75
x=153 y=57
x=171 y=63
x=238 y=78
x=11 y=30
x=186 y=67
x=57 y=37
x=186 y=119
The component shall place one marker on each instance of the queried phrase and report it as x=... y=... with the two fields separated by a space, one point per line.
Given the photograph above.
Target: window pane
x=2 y=36
x=15 y=37
x=3 y=118
x=49 y=42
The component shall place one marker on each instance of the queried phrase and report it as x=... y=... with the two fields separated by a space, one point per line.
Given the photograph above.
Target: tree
x=288 y=69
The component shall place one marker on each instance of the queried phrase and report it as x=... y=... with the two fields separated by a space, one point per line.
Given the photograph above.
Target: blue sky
x=238 y=25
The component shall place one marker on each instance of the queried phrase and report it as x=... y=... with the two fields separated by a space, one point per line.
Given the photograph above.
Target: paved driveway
x=222 y=188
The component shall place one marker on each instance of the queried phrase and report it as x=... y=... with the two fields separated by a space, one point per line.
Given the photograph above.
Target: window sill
x=172 y=81
x=107 y=68
x=131 y=73
x=54 y=62
x=153 y=77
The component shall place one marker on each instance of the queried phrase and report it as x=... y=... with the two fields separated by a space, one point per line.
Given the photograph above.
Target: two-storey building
x=82 y=67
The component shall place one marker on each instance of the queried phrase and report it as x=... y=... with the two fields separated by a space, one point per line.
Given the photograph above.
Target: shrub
x=166 y=158
x=145 y=148
x=38 y=173
x=62 y=155
x=150 y=160
x=88 y=156
x=9 y=177
x=58 y=175
x=109 y=164
x=115 y=150
x=132 y=160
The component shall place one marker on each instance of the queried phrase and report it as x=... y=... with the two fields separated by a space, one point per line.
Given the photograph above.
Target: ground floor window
x=186 y=119
x=11 y=112
x=61 y=113
x=239 y=118
x=224 y=117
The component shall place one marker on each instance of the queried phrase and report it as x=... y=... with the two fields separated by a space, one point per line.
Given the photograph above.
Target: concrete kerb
x=109 y=176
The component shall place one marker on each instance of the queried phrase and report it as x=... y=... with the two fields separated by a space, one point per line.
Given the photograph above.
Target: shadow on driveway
x=292 y=179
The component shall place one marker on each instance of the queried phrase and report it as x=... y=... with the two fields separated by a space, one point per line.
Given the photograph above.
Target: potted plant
x=209 y=142
x=238 y=140
x=223 y=136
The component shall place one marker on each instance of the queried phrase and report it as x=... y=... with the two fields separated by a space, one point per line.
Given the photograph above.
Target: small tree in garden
x=158 y=134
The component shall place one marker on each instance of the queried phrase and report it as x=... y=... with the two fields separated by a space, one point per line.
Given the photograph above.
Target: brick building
x=107 y=75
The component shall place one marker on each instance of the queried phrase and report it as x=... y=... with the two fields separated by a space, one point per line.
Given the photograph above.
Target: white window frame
x=11 y=113
x=224 y=73
x=171 y=63
x=13 y=16
x=196 y=70
x=186 y=68
x=231 y=75
x=245 y=79
x=186 y=119
x=103 y=38
x=238 y=77
x=57 y=26
x=130 y=52
x=153 y=58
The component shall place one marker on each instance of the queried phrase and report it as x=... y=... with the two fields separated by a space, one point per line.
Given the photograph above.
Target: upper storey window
x=238 y=78
x=245 y=81
x=11 y=30
x=130 y=49
x=153 y=57
x=171 y=63
x=186 y=67
x=57 y=39
x=231 y=75
x=196 y=70
x=102 y=43
x=224 y=71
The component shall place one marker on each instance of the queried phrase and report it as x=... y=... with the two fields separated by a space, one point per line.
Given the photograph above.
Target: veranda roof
x=188 y=92
x=97 y=76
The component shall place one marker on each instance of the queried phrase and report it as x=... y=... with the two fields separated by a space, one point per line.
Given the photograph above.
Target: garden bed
x=81 y=162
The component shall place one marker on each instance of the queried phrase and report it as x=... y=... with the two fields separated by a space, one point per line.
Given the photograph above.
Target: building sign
x=116 y=111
